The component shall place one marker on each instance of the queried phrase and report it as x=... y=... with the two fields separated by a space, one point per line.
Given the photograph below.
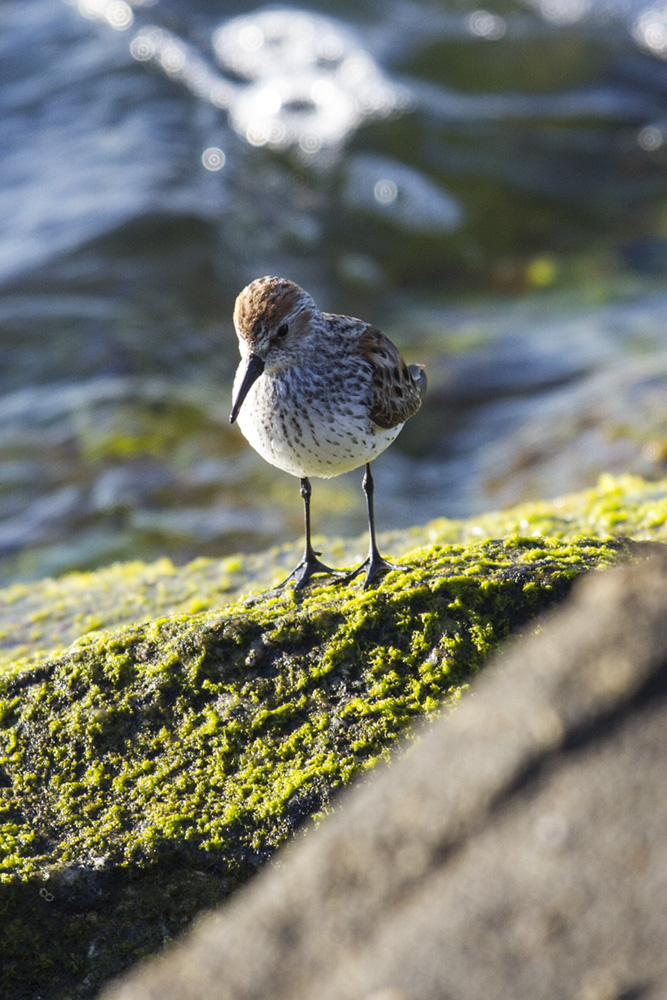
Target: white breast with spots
x=308 y=425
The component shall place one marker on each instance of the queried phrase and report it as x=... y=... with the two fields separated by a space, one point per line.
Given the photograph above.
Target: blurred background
x=486 y=185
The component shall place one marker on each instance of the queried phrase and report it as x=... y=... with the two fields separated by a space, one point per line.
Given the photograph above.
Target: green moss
x=43 y=618
x=128 y=432
x=147 y=771
x=166 y=761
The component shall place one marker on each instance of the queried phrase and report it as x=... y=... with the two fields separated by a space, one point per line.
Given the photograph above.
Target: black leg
x=310 y=564
x=374 y=564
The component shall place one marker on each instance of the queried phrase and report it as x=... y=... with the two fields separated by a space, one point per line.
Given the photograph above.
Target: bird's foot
x=375 y=567
x=307 y=568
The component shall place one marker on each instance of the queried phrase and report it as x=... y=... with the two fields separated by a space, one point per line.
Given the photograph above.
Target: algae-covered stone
x=148 y=770
x=43 y=618
x=519 y=851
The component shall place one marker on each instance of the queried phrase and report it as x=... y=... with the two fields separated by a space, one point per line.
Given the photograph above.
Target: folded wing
x=396 y=389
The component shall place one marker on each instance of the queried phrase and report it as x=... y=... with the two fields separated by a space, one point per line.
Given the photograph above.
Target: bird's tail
x=418 y=373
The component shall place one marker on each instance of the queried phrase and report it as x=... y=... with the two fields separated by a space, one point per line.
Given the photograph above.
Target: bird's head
x=273 y=318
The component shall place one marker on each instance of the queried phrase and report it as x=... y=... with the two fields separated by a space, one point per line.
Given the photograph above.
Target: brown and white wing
x=396 y=389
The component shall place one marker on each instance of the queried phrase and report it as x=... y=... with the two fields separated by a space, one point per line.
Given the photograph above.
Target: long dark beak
x=254 y=368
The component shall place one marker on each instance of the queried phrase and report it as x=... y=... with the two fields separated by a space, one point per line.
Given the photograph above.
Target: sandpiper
x=318 y=394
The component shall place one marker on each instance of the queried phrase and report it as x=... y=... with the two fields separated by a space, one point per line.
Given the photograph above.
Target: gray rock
x=517 y=850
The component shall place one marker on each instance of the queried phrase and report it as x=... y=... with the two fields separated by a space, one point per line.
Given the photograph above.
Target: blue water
x=487 y=185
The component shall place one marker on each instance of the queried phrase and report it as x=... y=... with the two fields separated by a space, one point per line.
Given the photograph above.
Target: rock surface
x=41 y=619
x=517 y=850
x=147 y=772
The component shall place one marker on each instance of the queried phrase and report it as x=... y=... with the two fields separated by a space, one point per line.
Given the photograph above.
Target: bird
x=318 y=394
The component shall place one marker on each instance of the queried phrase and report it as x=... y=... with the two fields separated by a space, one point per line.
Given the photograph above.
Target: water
x=489 y=186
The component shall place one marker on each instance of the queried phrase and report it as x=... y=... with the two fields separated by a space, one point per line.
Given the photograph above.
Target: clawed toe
x=375 y=566
x=305 y=571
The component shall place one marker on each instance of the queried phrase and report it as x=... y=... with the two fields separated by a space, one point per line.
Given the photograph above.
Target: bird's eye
x=282 y=330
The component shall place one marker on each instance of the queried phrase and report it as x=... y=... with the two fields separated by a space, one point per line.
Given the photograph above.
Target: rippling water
x=488 y=185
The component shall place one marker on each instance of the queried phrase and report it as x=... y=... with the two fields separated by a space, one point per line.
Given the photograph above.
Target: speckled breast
x=308 y=425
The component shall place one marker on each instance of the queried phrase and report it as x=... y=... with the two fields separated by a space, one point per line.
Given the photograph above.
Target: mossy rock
x=148 y=771
x=41 y=619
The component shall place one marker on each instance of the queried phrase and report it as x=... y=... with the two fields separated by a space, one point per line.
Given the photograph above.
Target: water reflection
x=484 y=24
x=650 y=30
x=396 y=192
x=213 y=158
x=289 y=77
x=652 y=137
x=116 y=13
x=563 y=11
x=311 y=82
